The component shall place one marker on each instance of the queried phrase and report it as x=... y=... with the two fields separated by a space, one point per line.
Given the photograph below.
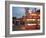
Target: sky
x=18 y=12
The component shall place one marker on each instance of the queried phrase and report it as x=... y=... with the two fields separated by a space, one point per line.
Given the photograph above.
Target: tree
x=13 y=18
